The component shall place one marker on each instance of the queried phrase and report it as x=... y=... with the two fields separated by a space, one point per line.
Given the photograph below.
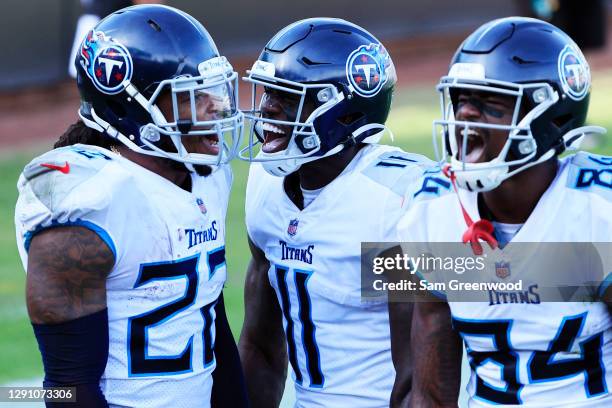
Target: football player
x=319 y=185
x=121 y=228
x=515 y=97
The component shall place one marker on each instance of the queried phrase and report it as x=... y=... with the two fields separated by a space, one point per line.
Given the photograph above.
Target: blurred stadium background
x=38 y=100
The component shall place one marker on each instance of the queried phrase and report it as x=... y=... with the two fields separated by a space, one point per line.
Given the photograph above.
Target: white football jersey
x=338 y=345
x=169 y=265
x=523 y=350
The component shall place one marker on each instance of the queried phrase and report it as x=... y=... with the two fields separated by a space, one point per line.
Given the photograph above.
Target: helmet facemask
x=520 y=149
x=203 y=107
x=303 y=140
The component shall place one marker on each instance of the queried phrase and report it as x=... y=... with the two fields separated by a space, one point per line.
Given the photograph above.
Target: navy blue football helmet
x=136 y=57
x=545 y=71
x=338 y=69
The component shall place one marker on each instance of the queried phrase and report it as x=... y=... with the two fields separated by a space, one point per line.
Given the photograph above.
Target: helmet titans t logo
x=106 y=62
x=574 y=73
x=365 y=69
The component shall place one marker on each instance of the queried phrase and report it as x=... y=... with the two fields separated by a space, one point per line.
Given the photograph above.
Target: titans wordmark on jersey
x=169 y=265
x=522 y=350
x=338 y=346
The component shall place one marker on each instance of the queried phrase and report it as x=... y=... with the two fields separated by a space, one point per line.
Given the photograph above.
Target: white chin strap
x=279 y=167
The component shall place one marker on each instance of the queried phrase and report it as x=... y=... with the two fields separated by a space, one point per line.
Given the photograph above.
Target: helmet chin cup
x=288 y=160
x=281 y=169
x=479 y=177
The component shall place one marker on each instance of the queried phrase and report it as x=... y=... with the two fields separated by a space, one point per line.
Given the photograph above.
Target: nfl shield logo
x=201 y=205
x=293 y=225
x=502 y=269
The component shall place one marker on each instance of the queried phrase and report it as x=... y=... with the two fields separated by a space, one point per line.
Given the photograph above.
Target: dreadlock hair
x=78 y=132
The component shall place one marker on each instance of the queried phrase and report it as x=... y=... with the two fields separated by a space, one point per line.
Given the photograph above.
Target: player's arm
x=262 y=341
x=400 y=321
x=436 y=355
x=229 y=389
x=66 y=299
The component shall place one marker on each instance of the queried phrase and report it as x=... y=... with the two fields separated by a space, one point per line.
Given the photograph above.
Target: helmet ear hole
x=562 y=121
x=351 y=118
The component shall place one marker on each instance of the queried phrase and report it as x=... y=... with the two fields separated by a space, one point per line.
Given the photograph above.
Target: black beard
x=202 y=169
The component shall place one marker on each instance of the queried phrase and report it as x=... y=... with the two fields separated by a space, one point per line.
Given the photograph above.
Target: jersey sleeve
x=225 y=179
x=72 y=186
x=402 y=174
x=591 y=173
x=254 y=201
x=410 y=229
x=395 y=176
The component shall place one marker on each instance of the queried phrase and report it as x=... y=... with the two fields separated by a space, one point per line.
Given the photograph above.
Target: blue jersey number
x=504 y=356
x=139 y=362
x=311 y=350
x=542 y=366
x=395 y=161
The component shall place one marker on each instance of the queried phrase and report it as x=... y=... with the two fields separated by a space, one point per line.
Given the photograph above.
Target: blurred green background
x=411 y=118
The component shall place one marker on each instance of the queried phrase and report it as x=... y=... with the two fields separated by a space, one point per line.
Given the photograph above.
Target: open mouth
x=275 y=138
x=475 y=146
x=210 y=144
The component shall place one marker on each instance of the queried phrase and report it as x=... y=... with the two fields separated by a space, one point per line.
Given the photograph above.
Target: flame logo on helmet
x=366 y=69
x=106 y=62
x=574 y=73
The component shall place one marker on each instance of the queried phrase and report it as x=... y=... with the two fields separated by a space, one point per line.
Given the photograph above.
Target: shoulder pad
x=68 y=184
x=590 y=172
x=53 y=175
x=67 y=160
x=258 y=182
x=396 y=168
x=432 y=184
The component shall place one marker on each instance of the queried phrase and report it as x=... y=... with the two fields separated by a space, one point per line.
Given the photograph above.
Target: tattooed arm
x=436 y=353
x=400 y=323
x=67 y=270
x=66 y=298
x=262 y=341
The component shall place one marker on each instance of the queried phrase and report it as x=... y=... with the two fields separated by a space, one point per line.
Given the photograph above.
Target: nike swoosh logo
x=64 y=169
